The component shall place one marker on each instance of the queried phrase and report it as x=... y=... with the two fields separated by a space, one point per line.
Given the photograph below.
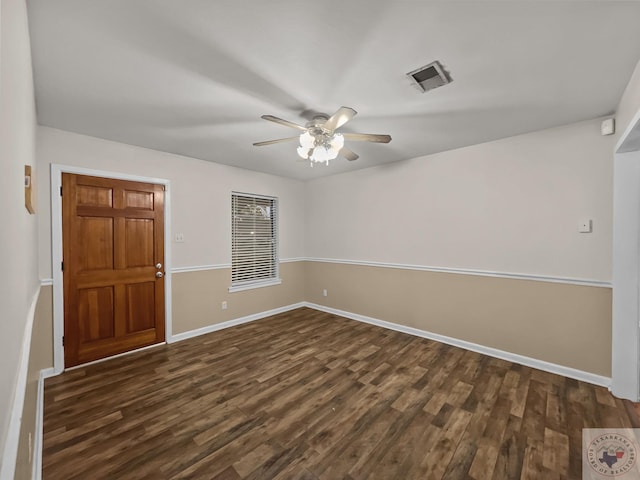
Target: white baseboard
x=474 y=347
x=9 y=456
x=232 y=323
x=38 y=433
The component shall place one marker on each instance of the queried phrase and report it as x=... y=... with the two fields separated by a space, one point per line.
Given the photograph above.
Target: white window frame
x=240 y=285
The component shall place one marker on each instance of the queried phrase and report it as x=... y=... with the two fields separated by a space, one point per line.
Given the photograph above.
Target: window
x=254 y=241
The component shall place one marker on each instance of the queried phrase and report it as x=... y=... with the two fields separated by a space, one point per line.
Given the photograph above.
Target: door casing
x=625 y=348
x=56 y=250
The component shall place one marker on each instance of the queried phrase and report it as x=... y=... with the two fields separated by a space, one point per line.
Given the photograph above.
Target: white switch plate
x=324 y=292
x=179 y=237
x=585 y=226
x=224 y=305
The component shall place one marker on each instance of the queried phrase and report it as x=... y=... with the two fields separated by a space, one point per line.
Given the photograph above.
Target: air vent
x=429 y=77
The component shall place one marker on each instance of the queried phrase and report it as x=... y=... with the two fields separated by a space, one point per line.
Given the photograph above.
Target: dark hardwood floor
x=309 y=395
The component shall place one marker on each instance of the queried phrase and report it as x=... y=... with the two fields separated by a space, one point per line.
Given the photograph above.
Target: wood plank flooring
x=309 y=395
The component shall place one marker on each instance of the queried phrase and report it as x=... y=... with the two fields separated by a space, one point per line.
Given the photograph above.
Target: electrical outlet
x=179 y=237
x=224 y=305
x=324 y=292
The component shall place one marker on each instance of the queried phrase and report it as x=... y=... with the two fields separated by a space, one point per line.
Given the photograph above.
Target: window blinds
x=254 y=255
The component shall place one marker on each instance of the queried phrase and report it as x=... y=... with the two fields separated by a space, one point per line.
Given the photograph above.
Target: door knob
x=159 y=274
x=158 y=266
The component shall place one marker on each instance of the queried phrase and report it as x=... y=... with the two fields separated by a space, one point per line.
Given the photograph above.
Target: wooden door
x=113 y=247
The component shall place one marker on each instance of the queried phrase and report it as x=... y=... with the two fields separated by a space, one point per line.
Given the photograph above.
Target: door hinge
x=60 y=190
x=63 y=340
x=62 y=266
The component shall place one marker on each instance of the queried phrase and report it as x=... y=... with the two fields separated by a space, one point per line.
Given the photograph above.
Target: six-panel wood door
x=113 y=255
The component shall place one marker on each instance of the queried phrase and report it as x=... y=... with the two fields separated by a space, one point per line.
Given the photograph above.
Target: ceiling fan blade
x=279 y=140
x=342 y=116
x=286 y=123
x=348 y=154
x=367 y=137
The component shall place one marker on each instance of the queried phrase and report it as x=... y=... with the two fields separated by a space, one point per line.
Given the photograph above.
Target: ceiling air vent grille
x=429 y=77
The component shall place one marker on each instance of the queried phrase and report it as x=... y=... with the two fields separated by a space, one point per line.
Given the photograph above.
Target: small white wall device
x=608 y=126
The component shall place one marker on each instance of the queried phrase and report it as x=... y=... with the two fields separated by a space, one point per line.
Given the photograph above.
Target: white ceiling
x=193 y=77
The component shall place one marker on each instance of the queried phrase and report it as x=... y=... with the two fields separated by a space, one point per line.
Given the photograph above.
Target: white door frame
x=625 y=339
x=56 y=250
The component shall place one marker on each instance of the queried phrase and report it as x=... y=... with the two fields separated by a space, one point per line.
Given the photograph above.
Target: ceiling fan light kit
x=320 y=148
x=319 y=142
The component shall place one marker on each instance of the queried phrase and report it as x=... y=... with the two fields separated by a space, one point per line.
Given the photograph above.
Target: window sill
x=252 y=285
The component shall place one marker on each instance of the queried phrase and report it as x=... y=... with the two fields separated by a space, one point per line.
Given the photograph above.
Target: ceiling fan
x=319 y=141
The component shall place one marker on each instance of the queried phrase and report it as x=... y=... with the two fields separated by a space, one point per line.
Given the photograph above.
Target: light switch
x=179 y=237
x=585 y=226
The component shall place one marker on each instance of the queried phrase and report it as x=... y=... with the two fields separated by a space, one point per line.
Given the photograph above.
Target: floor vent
x=429 y=77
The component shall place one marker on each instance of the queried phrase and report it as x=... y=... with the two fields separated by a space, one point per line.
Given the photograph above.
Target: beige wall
x=40 y=358
x=511 y=205
x=196 y=303
x=197 y=296
x=18 y=250
x=569 y=325
x=564 y=324
x=200 y=195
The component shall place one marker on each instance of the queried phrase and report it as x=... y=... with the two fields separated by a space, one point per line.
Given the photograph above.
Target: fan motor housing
x=315 y=125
